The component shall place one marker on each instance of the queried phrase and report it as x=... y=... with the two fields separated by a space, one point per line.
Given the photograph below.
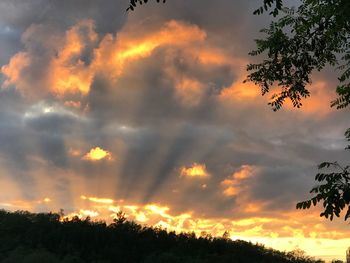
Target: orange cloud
x=114 y=53
x=189 y=91
x=47 y=200
x=24 y=204
x=68 y=73
x=319 y=101
x=241 y=91
x=97 y=154
x=196 y=170
x=13 y=70
x=97 y=200
x=233 y=184
x=83 y=213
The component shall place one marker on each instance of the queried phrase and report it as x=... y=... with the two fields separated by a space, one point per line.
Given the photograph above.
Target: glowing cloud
x=114 y=53
x=233 y=184
x=97 y=200
x=83 y=213
x=196 y=170
x=68 y=73
x=97 y=154
x=12 y=71
x=47 y=200
x=189 y=91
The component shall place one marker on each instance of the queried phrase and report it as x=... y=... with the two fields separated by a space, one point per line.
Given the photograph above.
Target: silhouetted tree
x=134 y=3
x=302 y=40
x=266 y=5
x=43 y=238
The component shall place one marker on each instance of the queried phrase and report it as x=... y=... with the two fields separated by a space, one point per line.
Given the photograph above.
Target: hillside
x=28 y=237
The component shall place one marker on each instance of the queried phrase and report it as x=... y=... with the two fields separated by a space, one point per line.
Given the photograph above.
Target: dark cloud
x=19 y=15
x=146 y=93
x=9 y=43
x=16 y=16
x=282 y=186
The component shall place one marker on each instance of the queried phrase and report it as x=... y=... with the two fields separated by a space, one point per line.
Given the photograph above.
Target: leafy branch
x=334 y=191
x=134 y=3
x=301 y=41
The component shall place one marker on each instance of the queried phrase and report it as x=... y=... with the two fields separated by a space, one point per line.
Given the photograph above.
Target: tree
x=133 y=3
x=334 y=192
x=300 y=41
x=45 y=239
x=266 y=5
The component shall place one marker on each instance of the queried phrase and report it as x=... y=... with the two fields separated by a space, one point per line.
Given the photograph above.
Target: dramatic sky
x=147 y=112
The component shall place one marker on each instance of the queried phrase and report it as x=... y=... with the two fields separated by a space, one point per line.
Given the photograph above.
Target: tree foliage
x=33 y=238
x=134 y=3
x=333 y=190
x=267 y=4
x=300 y=41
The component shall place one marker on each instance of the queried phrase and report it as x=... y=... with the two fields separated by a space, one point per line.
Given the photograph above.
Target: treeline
x=44 y=238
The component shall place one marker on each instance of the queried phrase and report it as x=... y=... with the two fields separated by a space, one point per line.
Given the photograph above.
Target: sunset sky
x=146 y=112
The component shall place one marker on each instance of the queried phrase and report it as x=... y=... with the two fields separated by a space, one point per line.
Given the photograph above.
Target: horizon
x=146 y=112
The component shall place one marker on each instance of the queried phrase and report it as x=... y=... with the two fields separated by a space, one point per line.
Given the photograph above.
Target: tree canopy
x=300 y=41
x=46 y=237
x=333 y=190
x=134 y=3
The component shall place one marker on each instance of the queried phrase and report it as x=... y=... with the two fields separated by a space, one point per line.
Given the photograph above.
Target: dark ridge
x=47 y=238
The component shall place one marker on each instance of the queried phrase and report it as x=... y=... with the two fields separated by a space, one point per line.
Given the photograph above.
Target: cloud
x=60 y=68
x=14 y=68
x=97 y=200
x=235 y=184
x=195 y=170
x=19 y=15
x=133 y=45
x=97 y=154
x=69 y=66
x=70 y=71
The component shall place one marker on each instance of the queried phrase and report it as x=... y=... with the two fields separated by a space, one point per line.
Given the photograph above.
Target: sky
x=146 y=112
